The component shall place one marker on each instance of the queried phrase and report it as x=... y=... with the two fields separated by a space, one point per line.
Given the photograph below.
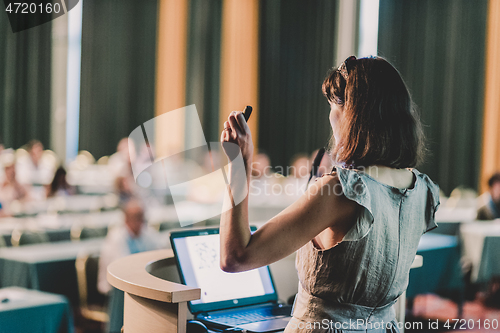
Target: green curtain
x=25 y=68
x=439 y=48
x=118 y=71
x=297 y=48
x=203 y=63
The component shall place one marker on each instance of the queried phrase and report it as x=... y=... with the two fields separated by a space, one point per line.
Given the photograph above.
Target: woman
x=59 y=185
x=11 y=190
x=357 y=229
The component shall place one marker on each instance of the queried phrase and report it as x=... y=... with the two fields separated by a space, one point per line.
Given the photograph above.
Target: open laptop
x=246 y=300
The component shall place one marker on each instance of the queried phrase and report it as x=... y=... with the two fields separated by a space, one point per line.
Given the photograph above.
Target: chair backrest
x=94 y=233
x=28 y=237
x=79 y=233
x=103 y=160
x=87 y=267
x=2 y=241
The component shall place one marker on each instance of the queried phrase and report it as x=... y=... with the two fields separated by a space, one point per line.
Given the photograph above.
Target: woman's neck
x=400 y=178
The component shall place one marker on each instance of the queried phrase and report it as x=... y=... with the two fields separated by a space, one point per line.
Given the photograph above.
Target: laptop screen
x=198 y=257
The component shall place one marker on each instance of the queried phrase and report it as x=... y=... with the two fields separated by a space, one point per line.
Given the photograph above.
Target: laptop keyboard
x=244 y=317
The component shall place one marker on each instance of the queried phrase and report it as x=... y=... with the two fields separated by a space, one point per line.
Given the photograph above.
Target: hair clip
x=343 y=67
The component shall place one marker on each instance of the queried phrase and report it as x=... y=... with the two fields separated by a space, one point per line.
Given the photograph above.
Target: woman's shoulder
x=332 y=176
x=328 y=180
x=335 y=193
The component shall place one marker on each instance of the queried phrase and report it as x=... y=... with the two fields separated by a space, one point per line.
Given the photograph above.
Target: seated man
x=35 y=168
x=11 y=190
x=490 y=209
x=133 y=237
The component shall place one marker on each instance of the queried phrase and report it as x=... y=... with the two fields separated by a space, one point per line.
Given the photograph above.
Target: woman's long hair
x=58 y=182
x=379 y=124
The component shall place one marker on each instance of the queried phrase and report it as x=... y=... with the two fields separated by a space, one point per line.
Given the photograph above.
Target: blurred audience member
x=120 y=162
x=11 y=189
x=300 y=166
x=124 y=189
x=492 y=296
x=59 y=185
x=325 y=166
x=132 y=237
x=298 y=174
x=143 y=159
x=187 y=173
x=34 y=169
x=261 y=167
x=35 y=150
x=490 y=209
x=264 y=185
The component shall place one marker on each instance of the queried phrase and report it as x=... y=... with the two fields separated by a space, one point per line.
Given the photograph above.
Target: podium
x=152 y=304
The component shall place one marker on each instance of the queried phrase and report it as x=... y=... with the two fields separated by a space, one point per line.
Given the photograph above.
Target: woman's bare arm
x=322 y=206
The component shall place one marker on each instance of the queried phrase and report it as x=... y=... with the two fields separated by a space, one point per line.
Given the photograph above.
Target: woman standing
x=356 y=229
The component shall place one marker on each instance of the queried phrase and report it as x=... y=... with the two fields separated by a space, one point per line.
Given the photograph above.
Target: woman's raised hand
x=236 y=131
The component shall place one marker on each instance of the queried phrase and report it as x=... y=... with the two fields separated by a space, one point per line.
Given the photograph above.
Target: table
x=58 y=226
x=46 y=267
x=441 y=271
x=449 y=220
x=481 y=245
x=34 y=311
x=79 y=203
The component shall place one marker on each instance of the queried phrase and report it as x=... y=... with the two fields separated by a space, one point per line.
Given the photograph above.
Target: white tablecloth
x=480 y=243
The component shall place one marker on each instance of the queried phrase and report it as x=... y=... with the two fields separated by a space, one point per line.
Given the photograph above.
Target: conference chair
x=82 y=161
x=28 y=237
x=50 y=158
x=2 y=242
x=79 y=232
x=92 y=302
x=87 y=155
x=462 y=197
x=103 y=160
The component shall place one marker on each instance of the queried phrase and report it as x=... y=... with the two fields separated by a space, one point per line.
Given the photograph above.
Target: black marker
x=247 y=112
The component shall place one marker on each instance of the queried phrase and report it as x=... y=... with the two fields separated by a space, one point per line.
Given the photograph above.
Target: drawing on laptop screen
x=217 y=285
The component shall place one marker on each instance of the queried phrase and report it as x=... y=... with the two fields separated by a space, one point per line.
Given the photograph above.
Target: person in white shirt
x=35 y=168
x=490 y=201
x=10 y=189
x=133 y=237
x=120 y=163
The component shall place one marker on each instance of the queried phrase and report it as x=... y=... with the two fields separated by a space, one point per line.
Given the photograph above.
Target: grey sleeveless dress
x=352 y=286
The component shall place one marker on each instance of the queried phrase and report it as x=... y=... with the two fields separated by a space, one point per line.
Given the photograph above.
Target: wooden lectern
x=152 y=304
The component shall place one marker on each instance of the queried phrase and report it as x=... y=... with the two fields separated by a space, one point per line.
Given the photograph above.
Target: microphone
x=316 y=163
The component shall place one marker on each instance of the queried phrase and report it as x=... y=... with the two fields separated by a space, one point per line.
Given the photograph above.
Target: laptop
x=247 y=301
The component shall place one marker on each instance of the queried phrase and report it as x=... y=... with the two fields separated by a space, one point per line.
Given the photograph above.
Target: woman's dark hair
x=379 y=125
x=493 y=179
x=58 y=182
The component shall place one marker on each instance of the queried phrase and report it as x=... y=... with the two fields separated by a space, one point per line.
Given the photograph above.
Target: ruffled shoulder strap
x=356 y=189
x=432 y=200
